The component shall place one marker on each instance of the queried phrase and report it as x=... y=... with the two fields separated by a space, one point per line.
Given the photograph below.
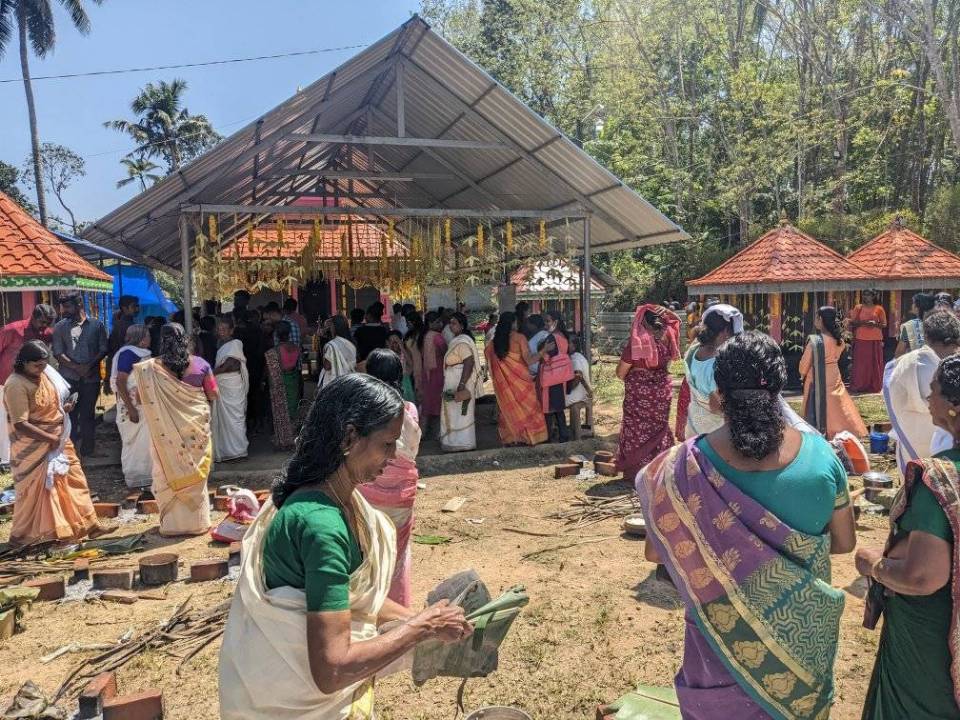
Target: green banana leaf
x=648 y=703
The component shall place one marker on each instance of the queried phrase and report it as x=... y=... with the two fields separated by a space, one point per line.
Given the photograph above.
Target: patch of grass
x=872 y=409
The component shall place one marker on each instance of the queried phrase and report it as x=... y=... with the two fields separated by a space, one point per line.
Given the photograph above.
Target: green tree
x=139 y=169
x=164 y=128
x=34 y=23
x=9 y=177
x=61 y=167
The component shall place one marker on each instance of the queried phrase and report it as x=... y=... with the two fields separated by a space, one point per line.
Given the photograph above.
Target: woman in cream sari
x=53 y=500
x=176 y=390
x=135 y=436
x=302 y=639
x=461 y=388
x=339 y=352
x=230 y=408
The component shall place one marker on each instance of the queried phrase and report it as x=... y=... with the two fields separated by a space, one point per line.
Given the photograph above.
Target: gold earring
x=347 y=452
x=952 y=412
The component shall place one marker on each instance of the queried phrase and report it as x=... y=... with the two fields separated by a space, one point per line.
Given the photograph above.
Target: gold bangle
x=875 y=567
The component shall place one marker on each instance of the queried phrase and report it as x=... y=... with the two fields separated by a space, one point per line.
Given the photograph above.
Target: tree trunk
x=32 y=112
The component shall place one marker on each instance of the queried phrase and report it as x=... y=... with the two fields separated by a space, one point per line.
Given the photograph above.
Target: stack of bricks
x=99 y=699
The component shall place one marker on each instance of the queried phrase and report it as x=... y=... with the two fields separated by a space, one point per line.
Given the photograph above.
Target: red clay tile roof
x=783 y=256
x=31 y=257
x=366 y=242
x=899 y=254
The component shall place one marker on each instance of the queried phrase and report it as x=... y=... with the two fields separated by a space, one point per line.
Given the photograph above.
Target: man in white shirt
x=397 y=321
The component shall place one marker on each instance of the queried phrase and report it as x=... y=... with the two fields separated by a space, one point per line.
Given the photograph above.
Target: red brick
x=148 y=507
x=235 y=548
x=52 y=587
x=562 y=471
x=575 y=460
x=121 y=579
x=147 y=705
x=107 y=510
x=607 y=469
x=101 y=688
x=132 y=499
x=123 y=597
x=204 y=570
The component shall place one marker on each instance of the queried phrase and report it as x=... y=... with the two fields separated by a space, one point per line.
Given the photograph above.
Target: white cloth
x=488 y=337
x=447 y=334
x=728 y=313
x=458 y=431
x=399 y=323
x=579 y=393
x=906 y=389
x=135 y=457
x=264 y=665
x=57 y=461
x=229 y=412
x=942 y=440
x=4 y=433
x=534 y=343
x=342 y=356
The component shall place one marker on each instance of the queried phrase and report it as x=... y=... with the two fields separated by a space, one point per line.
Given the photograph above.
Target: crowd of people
x=743 y=514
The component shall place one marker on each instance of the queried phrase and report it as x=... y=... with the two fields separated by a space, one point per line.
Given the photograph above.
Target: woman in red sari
x=868 y=321
x=644 y=368
x=520 y=421
x=432 y=348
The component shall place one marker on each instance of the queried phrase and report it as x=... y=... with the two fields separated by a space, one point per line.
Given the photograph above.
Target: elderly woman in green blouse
x=914 y=580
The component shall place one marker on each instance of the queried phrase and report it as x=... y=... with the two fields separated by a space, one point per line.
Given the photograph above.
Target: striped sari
x=763 y=620
x=521 y=418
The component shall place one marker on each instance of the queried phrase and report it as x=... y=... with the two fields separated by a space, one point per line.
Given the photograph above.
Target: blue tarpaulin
x=139 y=281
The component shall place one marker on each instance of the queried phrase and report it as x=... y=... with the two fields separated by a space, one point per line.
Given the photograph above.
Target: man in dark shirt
x=372 y=334
x=79 y=344
x=12 y=338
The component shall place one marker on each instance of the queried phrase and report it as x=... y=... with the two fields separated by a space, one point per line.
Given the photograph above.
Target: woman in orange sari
x=521 y=420
x=868 y=321
x=53 y=500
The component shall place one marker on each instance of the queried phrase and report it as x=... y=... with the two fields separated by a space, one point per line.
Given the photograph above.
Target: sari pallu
x=555 y=371
x=911 y=332
x=431 y=387
x=815 y=397
x=53 y=500
x=229 y=416
x=178 y=418
x=264 y=669
x=701 y=420
x=521 y=417
x=283 y=435
x=758 y=594
x=393 y=493
x=906 y=389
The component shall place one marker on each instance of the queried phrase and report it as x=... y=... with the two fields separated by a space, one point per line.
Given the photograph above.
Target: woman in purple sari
x=745 y=519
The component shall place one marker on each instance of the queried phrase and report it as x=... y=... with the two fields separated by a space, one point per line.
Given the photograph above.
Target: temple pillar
x=893 y=317
x=774 y=309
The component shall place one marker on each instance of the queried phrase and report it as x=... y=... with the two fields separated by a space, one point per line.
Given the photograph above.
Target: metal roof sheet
x=446 y=96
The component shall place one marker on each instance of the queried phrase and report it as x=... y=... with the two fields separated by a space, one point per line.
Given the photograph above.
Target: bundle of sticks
x=183 y=635
x=586 y=510
x=14 y=572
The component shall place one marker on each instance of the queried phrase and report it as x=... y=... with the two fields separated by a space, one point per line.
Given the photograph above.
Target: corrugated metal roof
x=446 y=96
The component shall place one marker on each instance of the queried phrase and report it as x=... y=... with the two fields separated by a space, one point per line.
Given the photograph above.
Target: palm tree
x=35 y=27
x=139 y=168
x=164 y=128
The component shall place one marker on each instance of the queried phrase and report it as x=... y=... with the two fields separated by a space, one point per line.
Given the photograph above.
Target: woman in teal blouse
x=918 y=662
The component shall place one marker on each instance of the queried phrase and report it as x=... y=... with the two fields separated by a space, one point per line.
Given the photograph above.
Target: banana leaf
x=648 y=703
x=478 y=655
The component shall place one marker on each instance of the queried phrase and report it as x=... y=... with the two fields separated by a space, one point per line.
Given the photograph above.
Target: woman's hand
x=132 y=414
x=69 y=406
x=443 y=621
x=865 y=559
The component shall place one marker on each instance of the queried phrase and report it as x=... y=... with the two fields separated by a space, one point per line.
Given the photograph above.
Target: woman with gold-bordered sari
x=176 y=390
x=744 y=520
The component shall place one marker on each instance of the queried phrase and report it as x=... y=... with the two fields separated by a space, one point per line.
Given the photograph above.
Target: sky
x=139 y=33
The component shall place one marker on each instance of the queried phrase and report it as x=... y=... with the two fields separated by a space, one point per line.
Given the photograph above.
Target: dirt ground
x=597 y=624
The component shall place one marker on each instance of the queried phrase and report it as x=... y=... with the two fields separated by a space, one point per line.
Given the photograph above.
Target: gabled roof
x=904 y=260
x=491 y=153
x=783 y=260
x=553 y=279
x=33 y=258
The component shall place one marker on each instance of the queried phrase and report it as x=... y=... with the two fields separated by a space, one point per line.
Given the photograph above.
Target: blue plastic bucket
x=879 y=442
